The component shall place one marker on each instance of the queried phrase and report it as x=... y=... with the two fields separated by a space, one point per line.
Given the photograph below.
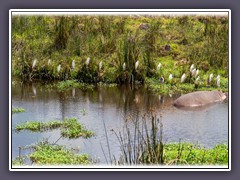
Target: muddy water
x=112 y=107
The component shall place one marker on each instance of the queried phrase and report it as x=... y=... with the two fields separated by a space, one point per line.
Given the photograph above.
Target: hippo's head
x=221 y=95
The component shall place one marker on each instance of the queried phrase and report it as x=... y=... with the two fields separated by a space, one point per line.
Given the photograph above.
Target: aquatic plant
x=18 y=110
x=144 y=145
x=70 y=128
x=38 y=126
x=68 y=84
x=50 y=154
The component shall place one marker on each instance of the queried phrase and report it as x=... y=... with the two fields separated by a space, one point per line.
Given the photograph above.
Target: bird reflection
x=161 y=99
x=34 y=91
x=73 y=93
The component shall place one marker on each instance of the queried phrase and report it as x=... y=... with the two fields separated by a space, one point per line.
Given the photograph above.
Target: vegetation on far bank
x=122 y=49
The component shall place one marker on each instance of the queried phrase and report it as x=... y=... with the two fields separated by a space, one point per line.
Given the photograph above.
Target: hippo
x=199 y=98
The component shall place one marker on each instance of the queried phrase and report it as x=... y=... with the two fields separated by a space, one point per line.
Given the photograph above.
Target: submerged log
x=199 y=98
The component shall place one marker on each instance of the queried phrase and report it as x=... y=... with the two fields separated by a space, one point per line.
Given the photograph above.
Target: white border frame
x=174 y=12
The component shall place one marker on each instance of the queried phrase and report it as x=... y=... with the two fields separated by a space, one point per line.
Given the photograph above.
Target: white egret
x=191 y=68
x=218 y=77
x=136 y=65
x=100 y=65
x=73 y=64
x=34 y=63
x=170 y=77
x=197 y=79
x=49 y=62
x=159 y=66
x=124 y=66
x=197 y=73
x=87 y=61
x=183 y=78
x=218 y=82
x=193 y=72
x=210 y=78
x=59 y=68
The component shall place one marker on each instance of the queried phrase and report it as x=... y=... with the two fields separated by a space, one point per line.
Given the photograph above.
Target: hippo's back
x=199 y=98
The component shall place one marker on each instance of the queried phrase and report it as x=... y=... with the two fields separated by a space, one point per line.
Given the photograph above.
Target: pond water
x=112 y=107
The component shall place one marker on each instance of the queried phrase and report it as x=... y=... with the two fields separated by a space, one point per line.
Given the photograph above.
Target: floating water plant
x=37 y=126
x=70 y=128
x=17 y=110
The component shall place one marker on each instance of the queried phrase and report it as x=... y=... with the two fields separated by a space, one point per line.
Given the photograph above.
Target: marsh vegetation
x=123 y=50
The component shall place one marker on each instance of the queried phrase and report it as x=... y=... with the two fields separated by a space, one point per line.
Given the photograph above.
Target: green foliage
x=68 y=84
x=37 y=126
x=145 y=146
x=18 y=110
x=48 y=154
x=70 y=128
x=190 y=154
x=115 y=40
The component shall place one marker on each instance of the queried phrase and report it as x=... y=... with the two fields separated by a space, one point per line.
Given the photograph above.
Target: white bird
x=49 y=62
x=100 y=65
x=73 y=64
x=183 y=78
x=87 y=61
x=136 y=65
x=210 y=78
x=191 y=68
x=124 y=66
x=170 y=77
x=197 y=73
x=197 y=79
x=218 y=77
x=59 y=68
x=218 y=82
x=159 y=66
x=34 y=63
x=193 y=72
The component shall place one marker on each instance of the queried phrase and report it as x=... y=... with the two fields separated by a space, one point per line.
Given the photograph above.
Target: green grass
x=18 y=110
x=70 y=128
x=68 y=84
x=48 y=154
x=190 y=154
x=144 y=146
x=115 y=40
x=37 y=126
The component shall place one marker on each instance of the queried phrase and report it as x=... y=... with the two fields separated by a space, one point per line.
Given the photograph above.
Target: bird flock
x=194 y=72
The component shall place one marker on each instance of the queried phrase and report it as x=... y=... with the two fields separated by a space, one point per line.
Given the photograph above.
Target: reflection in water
x=114 y=106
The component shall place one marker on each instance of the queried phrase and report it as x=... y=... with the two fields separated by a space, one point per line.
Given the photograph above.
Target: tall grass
x=115 y=40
